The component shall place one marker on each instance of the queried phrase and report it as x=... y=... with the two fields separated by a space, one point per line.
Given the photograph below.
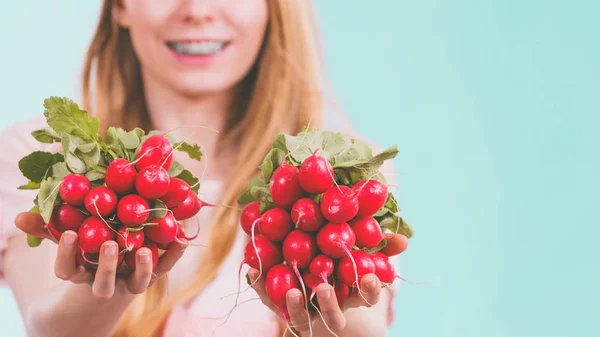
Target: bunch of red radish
x=120 y=209
x=319 y=232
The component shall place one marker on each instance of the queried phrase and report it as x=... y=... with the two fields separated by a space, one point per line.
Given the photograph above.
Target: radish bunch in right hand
x=318 y=214
x=124 y=187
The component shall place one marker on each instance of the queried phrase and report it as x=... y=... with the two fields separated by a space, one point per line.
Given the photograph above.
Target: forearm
x=72 y=309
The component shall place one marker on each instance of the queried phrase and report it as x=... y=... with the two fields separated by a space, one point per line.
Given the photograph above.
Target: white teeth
x=197 y=48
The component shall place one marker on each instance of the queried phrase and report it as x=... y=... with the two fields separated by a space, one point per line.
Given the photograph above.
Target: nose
x=196 y=11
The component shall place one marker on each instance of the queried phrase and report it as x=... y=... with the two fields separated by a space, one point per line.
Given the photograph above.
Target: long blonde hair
x=282 y=93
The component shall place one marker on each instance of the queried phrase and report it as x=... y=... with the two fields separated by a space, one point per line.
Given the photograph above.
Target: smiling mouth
x=198 y=48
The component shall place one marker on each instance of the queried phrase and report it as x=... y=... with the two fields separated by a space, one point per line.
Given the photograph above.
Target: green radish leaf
x=317 y=198
x=34 y=241
x=279 y=143
x=46 y=135
x=247 y=196
x=266 y=205
x=74 y=163
x=86 y=148
x=193 y=150
x=64 y=115
x=94 y=175
x=130 y=140
x=60 y=170
x=176 y=169
x=189 y=178
x=32 y=185
x=260 y=192
x=304 y=144
x=271 y=163
x=113 y=142
x=396 y=224
x=47 y=197
x=34 y=209
x=139 y=132
x=377 y=248
x=160 y=210
x=35 y=166
x=90 y=158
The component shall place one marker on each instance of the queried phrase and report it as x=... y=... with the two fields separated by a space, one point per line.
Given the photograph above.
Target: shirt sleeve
x=17 y=143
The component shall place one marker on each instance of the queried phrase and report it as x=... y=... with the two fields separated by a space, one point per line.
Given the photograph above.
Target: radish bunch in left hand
x=124 y=186
x=318 y=214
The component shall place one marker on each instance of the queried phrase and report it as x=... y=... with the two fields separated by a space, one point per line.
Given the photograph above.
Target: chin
x=204 y=85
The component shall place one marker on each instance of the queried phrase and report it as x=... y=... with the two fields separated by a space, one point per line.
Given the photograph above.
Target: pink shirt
x=204 y=314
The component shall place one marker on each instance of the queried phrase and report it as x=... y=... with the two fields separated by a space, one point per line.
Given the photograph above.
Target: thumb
x=33 y=224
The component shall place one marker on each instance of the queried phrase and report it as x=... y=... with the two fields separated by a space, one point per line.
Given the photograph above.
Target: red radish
x=275 y=224
x=250 y=213
x=152 y=182
x=130 y=256
x=342 y=292
x=299 y=248
x=133 y=210
x=130 y=240
x=280 y=279
x=268 y=254
x=101 y=201
x=312 y=281
x=384 y=269
x=306 y=214
x=178 y=192
x=339 y=204
x=372 y=195
x=67 y=218
x=74 y=188
x=284 y=186
x=316 y=174
x=93 y=233
x=350 y=272
x=120 y=176
x=367 y=230
x=334 y=240
x=321 y=266
x=188 y=207
x=165 y=231
x=51 y=228
x=155 y=150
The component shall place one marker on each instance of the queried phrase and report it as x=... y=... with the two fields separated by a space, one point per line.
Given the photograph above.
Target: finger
x=370 y=289
x=170 y=257
x=258 y=284
x=64 y=265
x=298 y=314
x=82 y=276
x=396 y=244
x=140 y=278
x=33 y=224
x=104 y=282
x=332 y=314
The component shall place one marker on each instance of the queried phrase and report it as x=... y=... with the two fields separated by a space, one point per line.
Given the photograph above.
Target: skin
x=58 y=299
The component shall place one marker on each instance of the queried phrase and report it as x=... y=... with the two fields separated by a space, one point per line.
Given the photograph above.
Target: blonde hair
x=282 y=93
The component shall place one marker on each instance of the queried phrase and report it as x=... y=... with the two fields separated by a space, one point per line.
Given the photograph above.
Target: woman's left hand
x=333 y=315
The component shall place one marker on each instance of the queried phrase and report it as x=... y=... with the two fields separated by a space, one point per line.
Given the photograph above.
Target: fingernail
x=144 y=257
x=370 y=281
x=110 y=250
x=69 y=239
x=294 y=299
x=325 y=294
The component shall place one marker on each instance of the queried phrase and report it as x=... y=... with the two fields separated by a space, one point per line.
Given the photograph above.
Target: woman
x=246 y=68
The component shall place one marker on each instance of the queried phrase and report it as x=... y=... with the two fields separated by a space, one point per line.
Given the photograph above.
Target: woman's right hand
x=104 y=282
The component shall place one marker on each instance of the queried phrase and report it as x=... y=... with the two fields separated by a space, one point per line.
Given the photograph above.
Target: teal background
x=494 y=106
